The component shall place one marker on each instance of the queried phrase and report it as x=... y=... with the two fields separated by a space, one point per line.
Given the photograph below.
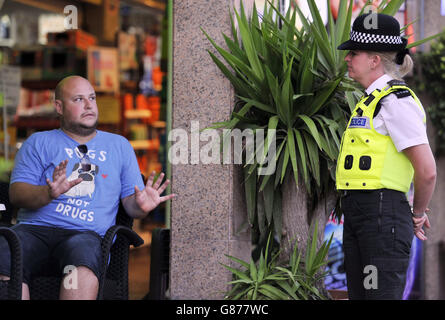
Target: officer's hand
x=419 y=223
x=420 y=234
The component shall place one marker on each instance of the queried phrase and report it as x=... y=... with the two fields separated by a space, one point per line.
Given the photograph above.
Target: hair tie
x=401 y=56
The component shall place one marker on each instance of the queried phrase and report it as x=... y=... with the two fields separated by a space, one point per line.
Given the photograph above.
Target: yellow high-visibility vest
x=369 y=160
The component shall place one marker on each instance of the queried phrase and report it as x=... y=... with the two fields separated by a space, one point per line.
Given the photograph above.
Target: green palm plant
x=432 y=73
x=294 y=82
x=5 y=169
x=294 y=279
x=285 y=82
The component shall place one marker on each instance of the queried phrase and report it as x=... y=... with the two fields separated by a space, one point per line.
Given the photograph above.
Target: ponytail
x=390 y=66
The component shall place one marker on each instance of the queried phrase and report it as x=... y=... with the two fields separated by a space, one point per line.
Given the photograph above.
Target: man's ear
x=59 y=106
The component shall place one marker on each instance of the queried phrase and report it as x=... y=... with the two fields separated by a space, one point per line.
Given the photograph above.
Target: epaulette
x=402 y=93
x=396 y=82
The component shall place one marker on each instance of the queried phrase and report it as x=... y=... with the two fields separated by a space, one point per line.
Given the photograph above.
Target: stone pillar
x=433 y=250
x=210 y=203
x=433 y=274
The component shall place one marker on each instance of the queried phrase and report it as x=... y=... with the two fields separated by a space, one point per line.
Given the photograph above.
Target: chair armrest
x=16 y=276
x=132 y=237
x=107 y=242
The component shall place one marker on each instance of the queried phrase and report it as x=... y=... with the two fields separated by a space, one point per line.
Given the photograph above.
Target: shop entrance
x=122 y=48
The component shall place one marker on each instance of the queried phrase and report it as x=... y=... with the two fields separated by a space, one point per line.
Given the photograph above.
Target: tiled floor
x=139 y=272
x=139 y=264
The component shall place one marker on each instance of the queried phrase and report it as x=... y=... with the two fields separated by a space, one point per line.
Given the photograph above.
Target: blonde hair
x=390 y=66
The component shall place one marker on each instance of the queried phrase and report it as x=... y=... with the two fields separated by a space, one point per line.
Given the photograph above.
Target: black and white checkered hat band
x=374 y=38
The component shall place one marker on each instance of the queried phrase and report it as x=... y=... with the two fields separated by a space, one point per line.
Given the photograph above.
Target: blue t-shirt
x=110 y=173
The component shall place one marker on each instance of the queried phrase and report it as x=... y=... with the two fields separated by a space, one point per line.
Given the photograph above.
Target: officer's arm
x=424 y=165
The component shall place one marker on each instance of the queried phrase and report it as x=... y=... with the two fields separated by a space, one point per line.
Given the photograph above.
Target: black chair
x=159 y=264
x=12 y=289
x=113 y=284
x=6 y=215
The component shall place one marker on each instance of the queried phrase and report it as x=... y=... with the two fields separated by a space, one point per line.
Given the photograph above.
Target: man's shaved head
x=58 y=94
x=75 y=103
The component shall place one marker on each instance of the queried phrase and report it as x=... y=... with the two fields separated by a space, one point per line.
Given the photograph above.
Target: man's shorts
x=52 y=251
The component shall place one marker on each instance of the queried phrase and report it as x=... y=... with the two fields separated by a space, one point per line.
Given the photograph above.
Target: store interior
x=120 y=46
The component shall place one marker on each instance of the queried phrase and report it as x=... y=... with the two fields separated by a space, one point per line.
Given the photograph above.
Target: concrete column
x=433 y=249
x=210 y=204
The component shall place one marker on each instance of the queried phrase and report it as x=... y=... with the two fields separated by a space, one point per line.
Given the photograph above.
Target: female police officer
x=383 y=148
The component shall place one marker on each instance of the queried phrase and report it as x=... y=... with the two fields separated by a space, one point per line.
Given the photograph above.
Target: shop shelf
x=140 y=144
x=158 y=124
x=37 y=122
x=137 y=114
x=39 y=84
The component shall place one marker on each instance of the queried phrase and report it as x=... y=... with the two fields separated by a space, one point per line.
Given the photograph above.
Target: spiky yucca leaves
x=268 y=279
x=286 y=81
x=293 y=81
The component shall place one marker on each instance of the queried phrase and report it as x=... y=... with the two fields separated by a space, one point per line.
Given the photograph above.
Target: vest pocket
x=348 y=161
x=365 y=163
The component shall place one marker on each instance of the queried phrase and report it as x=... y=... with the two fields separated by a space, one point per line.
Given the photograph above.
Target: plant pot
x=338 y=294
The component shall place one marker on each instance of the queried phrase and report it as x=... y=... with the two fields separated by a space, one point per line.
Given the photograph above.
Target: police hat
x=375 y=32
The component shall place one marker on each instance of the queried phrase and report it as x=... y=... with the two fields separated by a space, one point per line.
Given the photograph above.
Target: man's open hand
x=150 y=197
x=60 y=183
